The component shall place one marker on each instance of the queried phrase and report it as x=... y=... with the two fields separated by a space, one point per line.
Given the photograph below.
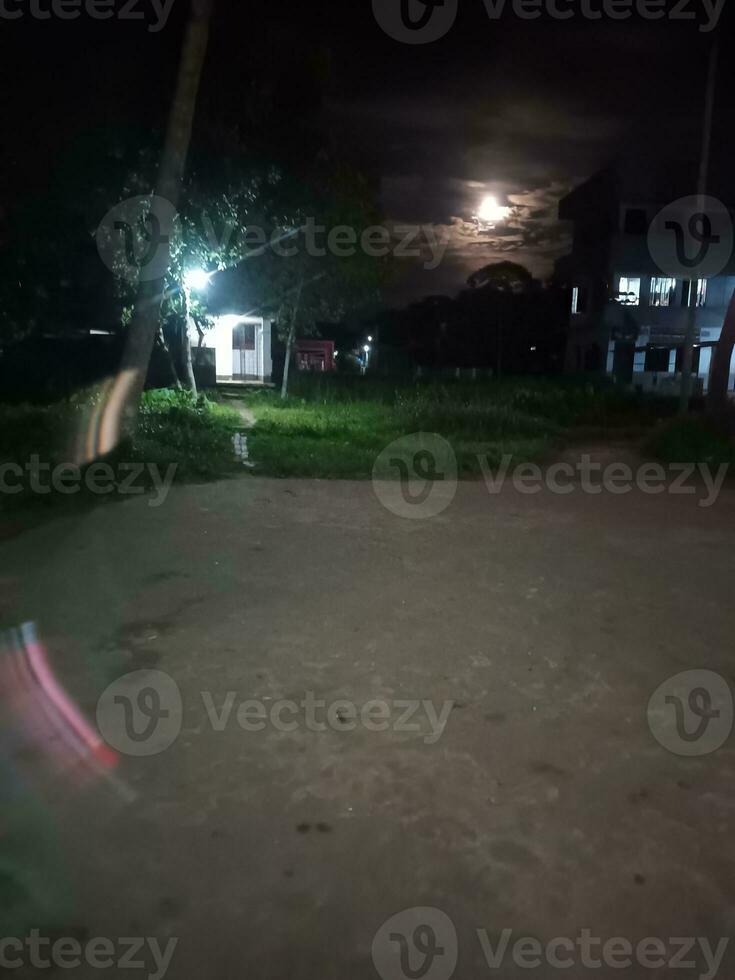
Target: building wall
x=610 y=240
x=256 y=364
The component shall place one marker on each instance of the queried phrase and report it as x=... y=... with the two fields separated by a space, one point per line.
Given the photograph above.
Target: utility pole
x=691 y=284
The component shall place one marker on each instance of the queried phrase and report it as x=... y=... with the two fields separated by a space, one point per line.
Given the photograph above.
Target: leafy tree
x=272 y=232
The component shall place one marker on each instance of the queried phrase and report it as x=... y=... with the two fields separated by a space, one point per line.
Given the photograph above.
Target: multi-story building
x=627 y=317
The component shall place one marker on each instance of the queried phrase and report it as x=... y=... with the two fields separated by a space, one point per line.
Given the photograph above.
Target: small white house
x=241 y=345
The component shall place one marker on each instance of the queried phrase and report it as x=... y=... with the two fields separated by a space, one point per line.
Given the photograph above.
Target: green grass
x=343 y=441
x=174 y=429
x=692 y=440
x=195 y=435
x=336 y=427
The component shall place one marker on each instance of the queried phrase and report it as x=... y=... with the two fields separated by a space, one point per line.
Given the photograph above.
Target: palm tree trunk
x=144 y=325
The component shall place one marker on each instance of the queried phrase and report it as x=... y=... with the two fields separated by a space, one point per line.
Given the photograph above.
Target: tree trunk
x=188 y=364
x=172 y=367
x=720 y=375
x=287 y=362
x=290 y=341
x=145 y=323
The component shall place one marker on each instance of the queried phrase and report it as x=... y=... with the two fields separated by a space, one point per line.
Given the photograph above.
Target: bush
x=696 y=439
x=193 y=433
x=174 y=428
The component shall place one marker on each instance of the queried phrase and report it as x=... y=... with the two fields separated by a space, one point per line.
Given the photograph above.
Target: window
x=662 y=291
x=657 y=359
x=243 y=337
x=635 y=222
x=629 y=292
x=688 y=290
x=579 y=300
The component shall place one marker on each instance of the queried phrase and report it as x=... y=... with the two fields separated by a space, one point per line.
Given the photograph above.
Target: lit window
x=629 y=291
x=688 y=290
x=662 y=291
x=575 y=300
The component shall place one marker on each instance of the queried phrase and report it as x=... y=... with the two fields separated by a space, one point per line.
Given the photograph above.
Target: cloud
x=531 y=236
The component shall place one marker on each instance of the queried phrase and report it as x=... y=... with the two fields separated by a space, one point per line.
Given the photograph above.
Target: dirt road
x=544 y=804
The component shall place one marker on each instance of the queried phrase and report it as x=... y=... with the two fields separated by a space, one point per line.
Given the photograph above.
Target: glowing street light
x=197 y=280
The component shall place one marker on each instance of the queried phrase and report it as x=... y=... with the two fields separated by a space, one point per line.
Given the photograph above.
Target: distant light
x=370 y=340
x=533 y=348
x=366 y=348
x=336 y=353
x=491 y=212
x=197 y=279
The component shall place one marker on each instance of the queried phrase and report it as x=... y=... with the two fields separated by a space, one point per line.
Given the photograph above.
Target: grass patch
x=335 y=427
x=692 y=440
x=342 y=441
x=193 y=434
x=189 y=438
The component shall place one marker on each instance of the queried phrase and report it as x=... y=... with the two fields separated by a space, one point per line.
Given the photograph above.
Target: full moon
x=491 y=211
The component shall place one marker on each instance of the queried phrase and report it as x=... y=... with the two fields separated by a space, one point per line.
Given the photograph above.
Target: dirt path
x=545 y=805
x=243 y=411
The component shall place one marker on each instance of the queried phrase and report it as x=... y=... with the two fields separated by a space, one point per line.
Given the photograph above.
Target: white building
x=241 y=347
x=628 y=319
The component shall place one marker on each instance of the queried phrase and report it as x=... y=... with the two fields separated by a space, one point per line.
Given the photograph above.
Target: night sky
x=520 y=109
